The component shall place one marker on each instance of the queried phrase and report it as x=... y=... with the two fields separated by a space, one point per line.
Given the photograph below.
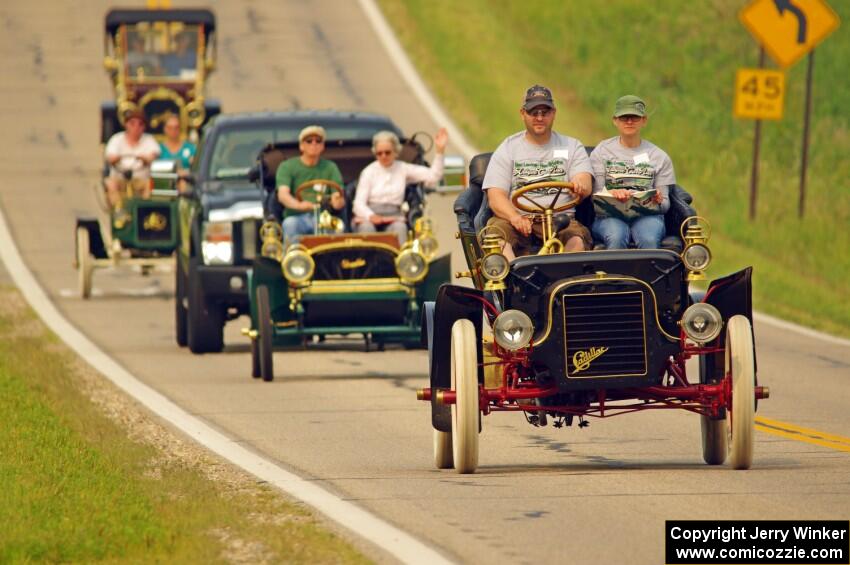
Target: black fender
x=732 y=295
x=96 y=244
x=453 y=303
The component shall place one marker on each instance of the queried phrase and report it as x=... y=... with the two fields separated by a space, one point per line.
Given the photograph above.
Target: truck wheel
x=180 y=312
x=205 y=331
x=264 y=329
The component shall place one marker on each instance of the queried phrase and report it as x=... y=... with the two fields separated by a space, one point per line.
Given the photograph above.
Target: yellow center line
x=799 y=433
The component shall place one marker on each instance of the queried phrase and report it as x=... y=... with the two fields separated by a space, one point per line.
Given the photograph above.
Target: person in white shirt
x=130 y=154
x=380 y=190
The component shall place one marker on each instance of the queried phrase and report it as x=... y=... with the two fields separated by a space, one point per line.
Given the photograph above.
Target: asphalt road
x=349 y=419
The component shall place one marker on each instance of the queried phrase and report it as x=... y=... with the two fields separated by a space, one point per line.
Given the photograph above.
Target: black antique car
x=220 y=218
x=589 y=334
x=338 y=283
x=158 y=62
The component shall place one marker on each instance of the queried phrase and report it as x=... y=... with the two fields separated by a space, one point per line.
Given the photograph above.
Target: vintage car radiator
x=354 y=264
x=605 y=334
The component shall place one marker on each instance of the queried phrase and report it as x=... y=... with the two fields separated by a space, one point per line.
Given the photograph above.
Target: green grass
x=74 y=488
x=479 y=56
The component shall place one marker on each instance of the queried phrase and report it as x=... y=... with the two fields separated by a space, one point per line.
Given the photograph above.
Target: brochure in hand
x=640 y=203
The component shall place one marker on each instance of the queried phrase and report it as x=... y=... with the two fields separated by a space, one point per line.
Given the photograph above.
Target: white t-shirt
x=518 y=162
x=119 y=146
x=385 y=185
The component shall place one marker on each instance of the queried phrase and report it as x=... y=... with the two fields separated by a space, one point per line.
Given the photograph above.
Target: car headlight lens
x=702 y=322
x=696 y=257
x=426 y=245
x=494 y=267
x=411 y=266
x=217 y=245
x=513 y=329
x=298 y=266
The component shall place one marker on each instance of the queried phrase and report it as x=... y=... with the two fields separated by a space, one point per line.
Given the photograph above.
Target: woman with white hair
x=380 y=190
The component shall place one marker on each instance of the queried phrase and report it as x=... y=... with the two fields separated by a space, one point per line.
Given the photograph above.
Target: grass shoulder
x=86 y=475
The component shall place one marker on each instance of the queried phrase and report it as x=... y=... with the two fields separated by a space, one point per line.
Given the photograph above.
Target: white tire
x=740 y=364
x=443 y=458
x=465 y=411
x=85 y=264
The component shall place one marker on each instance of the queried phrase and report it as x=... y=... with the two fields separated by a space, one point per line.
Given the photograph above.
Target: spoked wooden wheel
x=714 y=445
x=740 y=365
x=85 y=266
x=465 y=411
x=264 y=339
x=443 y=457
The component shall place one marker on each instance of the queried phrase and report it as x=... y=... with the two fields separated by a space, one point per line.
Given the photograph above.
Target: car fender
x=453 y=303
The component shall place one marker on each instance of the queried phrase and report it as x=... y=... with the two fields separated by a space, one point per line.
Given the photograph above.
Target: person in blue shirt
x=174 y=147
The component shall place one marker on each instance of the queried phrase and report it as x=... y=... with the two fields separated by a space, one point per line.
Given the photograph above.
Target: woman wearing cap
x=626 y=164
x=380 y=190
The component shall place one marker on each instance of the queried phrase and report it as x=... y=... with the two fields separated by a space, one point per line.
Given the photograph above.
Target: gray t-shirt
x=518 y=162
x=633 y=168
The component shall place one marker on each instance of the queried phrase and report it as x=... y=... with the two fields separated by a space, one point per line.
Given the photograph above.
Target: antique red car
x=589 y=334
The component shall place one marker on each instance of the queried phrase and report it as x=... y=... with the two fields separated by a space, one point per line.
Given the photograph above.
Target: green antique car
x=146 y=236
x=334 y=283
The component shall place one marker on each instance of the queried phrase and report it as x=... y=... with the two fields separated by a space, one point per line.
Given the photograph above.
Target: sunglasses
x=542 y=113
x=383 y=153
x=313 y=140
x=630 y=118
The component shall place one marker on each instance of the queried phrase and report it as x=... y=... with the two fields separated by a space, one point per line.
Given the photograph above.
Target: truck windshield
x=236 y=150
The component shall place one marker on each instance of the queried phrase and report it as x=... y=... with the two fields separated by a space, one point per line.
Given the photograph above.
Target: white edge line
x=393 y=540
x=405 y=68
x=808 y=332
x=414 y=81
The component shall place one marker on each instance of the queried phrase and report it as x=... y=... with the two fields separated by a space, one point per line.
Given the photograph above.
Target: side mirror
x=454 y=174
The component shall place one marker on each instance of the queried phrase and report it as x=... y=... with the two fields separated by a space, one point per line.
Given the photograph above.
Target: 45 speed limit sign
x=759 y=94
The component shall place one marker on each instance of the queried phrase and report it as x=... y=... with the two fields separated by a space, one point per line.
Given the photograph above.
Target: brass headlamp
x=696 y=255
x=494 y=266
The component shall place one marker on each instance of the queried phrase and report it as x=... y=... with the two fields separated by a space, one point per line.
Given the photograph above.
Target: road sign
x=788 y=29
x=759 y=94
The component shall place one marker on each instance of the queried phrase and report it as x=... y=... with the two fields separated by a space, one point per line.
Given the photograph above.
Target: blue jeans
x=646 y=232
x=296 y=226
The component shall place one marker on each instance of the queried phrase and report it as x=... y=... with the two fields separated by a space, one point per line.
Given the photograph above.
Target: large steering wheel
x=329 y=183
x=560 y=185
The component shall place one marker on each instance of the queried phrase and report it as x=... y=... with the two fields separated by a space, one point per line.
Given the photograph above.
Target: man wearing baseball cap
x=624 y=165
x=129 y=153
x=298 y=214
x=534 y=155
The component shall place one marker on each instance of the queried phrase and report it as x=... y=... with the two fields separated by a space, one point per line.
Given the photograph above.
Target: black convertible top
x=119 y=17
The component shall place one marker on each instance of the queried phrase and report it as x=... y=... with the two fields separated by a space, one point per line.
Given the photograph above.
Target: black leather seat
x=472 y=208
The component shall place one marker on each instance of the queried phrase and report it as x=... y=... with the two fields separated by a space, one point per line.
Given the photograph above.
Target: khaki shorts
x=522 y=244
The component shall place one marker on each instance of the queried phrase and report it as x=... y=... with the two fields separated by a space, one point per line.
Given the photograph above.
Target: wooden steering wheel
x=329 y=183
x=560 y=185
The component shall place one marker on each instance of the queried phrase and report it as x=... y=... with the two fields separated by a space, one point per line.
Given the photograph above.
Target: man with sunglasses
x=626 y=164
x=537 y=154
x=298 y=215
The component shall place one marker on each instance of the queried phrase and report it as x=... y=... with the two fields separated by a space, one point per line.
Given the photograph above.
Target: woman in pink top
x=380 y=190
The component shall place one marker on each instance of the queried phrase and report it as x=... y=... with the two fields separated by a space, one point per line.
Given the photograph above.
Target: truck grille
x=605 y=334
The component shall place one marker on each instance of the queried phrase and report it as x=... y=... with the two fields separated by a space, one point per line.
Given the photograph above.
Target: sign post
x=788 y=30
